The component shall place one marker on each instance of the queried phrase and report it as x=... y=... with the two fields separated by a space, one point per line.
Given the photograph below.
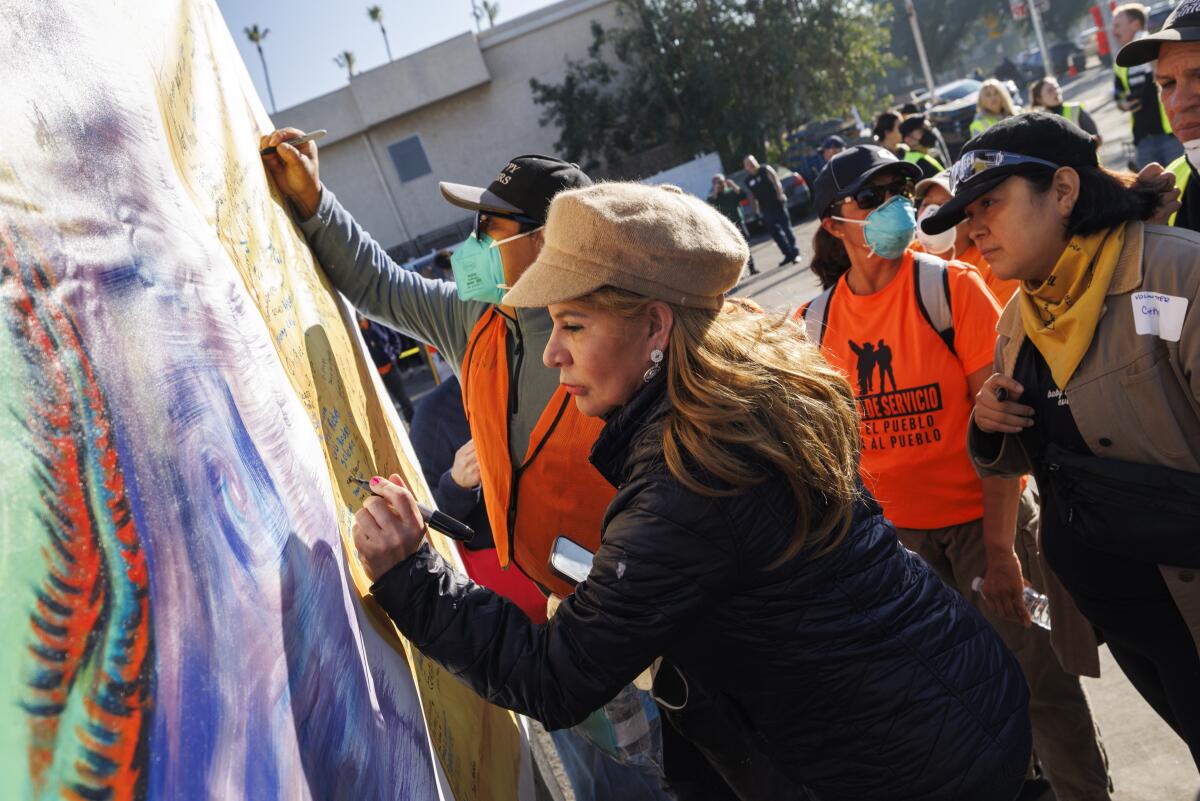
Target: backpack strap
x=815 y=315
x=932 y=284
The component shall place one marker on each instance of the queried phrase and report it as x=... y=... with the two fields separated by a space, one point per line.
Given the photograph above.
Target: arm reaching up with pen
x=293 y=170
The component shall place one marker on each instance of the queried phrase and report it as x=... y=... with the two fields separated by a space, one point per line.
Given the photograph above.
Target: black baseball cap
x=913 y=122
x=1183 y=25
x=1018 y=145
x=846 y=172
x=833 y=141
x=525 y=186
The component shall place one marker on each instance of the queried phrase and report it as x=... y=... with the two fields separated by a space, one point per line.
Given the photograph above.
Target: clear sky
x=305 y=35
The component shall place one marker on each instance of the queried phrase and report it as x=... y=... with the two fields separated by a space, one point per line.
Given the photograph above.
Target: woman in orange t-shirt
x=916 y=386
x=955 y=243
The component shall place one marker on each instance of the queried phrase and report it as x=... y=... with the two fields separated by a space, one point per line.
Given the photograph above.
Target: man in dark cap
x=918 y=136
x=531 y=442
x=1175 y=54
x=831 y=147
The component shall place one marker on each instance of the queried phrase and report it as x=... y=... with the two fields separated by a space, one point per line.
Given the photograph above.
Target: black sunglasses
x=872 y=197
x=483 y=217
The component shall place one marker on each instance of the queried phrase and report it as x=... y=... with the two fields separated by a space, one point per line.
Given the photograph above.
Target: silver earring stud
x=656 y=357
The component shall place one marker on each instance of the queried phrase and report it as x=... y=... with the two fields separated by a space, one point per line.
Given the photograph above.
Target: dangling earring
x=656 y=356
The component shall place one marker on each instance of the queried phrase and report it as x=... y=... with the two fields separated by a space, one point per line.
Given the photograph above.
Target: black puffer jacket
x=866 y=677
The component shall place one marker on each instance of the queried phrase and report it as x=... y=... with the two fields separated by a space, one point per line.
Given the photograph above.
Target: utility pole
x=916 y=30
x=1036 y=16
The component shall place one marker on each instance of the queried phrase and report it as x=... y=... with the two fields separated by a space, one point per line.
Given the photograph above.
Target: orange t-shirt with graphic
x=912 y=392
x=1001 y=288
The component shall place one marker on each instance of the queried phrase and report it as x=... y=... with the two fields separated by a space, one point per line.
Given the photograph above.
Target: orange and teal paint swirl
x=89 y=642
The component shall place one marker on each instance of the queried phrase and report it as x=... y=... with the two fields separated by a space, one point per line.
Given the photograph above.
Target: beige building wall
x=467 y=99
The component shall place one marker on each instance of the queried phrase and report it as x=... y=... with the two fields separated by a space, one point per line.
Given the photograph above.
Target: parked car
x=954 y=111
x=1157 y=15
x=794 y=187
x=1063 y=55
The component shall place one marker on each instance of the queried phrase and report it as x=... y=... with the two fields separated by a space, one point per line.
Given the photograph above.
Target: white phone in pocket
x=569 y=560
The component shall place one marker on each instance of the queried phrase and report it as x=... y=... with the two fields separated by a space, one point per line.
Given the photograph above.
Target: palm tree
x=491 y=9
x=376 y=15
x=254 y=34
x=477 y=13
x=345 y=59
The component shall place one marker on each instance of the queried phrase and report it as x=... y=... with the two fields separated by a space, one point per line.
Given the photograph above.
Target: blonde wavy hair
x=1007 y=107
x=751 y=396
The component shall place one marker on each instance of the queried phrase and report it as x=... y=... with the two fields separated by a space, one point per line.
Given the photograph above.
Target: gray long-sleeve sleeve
x=359 y=268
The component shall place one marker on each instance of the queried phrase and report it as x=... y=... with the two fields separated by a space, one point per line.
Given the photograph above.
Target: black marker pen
x=439 y=521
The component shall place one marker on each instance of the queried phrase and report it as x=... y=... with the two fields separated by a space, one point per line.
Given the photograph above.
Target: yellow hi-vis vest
x=1182 y=171
x=1123 y=77
x=1071 y=111
x=982 y=123
x=916 y=156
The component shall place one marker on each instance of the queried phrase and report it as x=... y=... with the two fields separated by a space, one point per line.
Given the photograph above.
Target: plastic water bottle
x=1037 y=604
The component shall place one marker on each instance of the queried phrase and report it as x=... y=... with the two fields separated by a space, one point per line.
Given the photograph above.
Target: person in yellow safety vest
x=917 y=135
x=1136 y=92
x=1174 y=53
x=993 y=105
x=1046 y=95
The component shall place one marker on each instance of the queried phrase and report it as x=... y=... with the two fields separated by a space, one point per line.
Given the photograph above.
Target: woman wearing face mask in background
x=994 y=104
x=1046 y=95
x=954 y=243
x=916 y=336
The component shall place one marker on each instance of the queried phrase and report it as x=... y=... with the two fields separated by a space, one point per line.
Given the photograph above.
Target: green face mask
x=479 y=268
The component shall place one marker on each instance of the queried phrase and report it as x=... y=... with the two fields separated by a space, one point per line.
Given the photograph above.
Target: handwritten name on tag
x=1159 y=315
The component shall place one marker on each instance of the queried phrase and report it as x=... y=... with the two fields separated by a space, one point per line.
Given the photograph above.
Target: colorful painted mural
x=183 y=401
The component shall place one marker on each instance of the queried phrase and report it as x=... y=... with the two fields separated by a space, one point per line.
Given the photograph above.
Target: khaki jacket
x=1133 y=397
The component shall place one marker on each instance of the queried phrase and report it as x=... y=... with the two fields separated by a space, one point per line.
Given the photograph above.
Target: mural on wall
x=183 y=402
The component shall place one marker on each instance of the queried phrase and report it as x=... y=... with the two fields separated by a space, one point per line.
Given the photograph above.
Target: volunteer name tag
x=1159 y=315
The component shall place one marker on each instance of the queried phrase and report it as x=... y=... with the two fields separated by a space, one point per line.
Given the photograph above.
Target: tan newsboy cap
x=655 y=241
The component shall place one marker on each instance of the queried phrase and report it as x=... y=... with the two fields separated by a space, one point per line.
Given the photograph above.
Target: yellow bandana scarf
x=1060 y=314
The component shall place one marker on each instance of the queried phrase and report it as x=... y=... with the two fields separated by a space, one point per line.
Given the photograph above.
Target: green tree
x=345 y=60
x=376 y=15
x=724 y=75
x=256 y=35
x=953 y=30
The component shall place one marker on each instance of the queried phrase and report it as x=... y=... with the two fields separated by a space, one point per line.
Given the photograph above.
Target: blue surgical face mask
x=889 y=229
x=479 y=267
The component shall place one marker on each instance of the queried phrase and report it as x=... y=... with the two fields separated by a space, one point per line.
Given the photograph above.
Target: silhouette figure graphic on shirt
x=883 y=357
x=867 y=358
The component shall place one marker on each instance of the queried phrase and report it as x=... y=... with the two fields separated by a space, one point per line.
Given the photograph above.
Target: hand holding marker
x=299 y=140
x=439 y=521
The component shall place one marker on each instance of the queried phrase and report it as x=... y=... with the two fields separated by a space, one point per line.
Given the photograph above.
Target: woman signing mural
x=741 y=545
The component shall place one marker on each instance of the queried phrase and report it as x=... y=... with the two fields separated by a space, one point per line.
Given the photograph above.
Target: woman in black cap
x=917 y=335
x=1097 y=392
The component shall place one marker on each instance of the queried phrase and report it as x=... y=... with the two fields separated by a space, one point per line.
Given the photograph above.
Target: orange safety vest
x=555 y=491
